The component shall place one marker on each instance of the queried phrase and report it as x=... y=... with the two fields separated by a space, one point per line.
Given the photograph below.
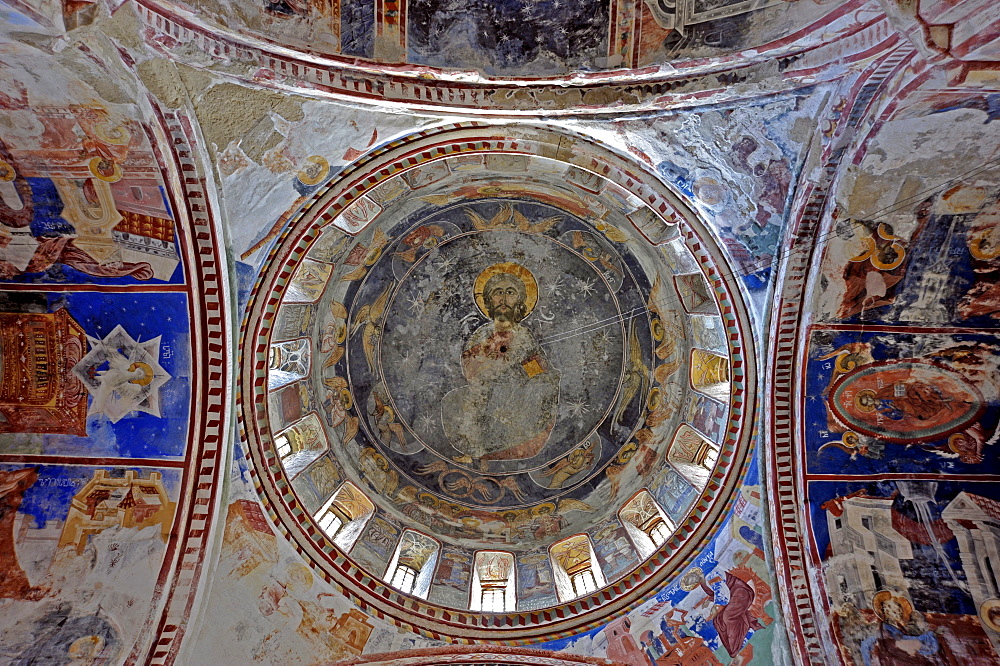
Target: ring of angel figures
x=493 y=350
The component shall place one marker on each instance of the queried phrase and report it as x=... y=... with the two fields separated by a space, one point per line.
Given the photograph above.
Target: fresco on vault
x=436 y=322
x=707 y=27
x=908 y=569
x=291 y=614
x=451 y=585
x=81 y=549
x=82 y=198
x=743 y=192
x=901 y=401
x=516 y=37
x=109 y=374
x=713 y=612
x=931 y=263
x=485 y=292
x=615 y=552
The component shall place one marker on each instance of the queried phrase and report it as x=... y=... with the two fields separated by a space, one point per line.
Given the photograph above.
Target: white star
x=555 y=288
x=602 y=340
x=444 y=263
x=132 y=379
x=415 y=304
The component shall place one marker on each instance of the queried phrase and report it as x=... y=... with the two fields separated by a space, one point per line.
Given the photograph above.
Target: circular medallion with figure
x=495 y=366
x=497 y=363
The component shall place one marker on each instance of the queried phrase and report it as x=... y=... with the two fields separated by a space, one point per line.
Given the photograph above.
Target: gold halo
x=113 y=134
x=857 y=400
x=147 y=373
x=7 y=172
x=315 y=171
x=653 y=402
x=878 y=602
x=346 y=399
x=86 y=646
x=984 y=613
x=692 y=579
x=510 y=268
x=114 y=177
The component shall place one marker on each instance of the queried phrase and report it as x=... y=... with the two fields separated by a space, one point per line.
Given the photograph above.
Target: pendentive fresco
x=423 y=331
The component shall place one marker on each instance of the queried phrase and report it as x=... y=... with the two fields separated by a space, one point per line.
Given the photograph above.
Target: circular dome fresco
x=494 y=381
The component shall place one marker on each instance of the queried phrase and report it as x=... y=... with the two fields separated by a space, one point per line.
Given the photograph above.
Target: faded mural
x=900 y=413
x=517 y=38
x=463 y=365
x=447 y=344
x=95 y=364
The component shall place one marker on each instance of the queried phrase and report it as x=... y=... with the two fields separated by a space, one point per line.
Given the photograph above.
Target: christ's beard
x=506 y=314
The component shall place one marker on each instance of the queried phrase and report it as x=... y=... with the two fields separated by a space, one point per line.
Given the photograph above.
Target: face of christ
x=505 y=296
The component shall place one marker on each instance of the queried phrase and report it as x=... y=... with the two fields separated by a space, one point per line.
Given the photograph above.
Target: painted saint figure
x=903 y=637
x=508 y=408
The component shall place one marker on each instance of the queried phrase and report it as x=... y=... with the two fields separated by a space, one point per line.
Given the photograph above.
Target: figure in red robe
x=14 y=582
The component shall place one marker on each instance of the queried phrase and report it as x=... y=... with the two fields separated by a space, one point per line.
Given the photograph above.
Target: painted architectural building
x=127 y=502
x=423 y=332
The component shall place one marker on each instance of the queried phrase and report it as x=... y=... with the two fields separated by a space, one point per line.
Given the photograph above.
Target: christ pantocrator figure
x=508 y=408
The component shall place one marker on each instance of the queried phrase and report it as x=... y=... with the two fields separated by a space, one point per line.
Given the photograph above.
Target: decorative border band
x=445 y=623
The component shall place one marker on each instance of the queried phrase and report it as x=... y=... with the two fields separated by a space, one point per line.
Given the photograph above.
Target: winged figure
x=366 y=321
x=510 y=218
x=636 y=379
x=363 y=257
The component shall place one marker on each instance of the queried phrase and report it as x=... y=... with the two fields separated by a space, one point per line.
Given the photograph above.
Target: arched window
x=646 y=523
x=493 y=582
x=345 y=515
x=710 y=374
x=301 y=444
x=283 y=445
x=693 y=455
x=289 y=361
x=575 y=567
x=413 y=563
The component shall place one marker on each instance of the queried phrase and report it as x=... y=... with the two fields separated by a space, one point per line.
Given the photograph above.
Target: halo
x=985 y=615
x=7 y=172
x=867 y=393
x=113 y=177
x=878 y=601
x=113 y=134
x=314 y=171
x=510 y=268
x=147 y=373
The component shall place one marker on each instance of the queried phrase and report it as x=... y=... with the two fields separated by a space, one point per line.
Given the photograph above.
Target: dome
x=511 y=40
x=424 y=332
x=501 y=357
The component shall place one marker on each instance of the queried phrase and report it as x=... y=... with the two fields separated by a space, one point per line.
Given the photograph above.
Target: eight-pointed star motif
x=122 y=375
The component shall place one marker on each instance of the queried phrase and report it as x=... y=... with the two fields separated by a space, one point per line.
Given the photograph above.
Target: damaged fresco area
x=719 y=610
x=517 y=38
x=512 y=38
x=508 y=287
x=69 y=537
x=292 y=614
x=271 y=164
x=907 y=570
x=96 y=358
x=678 y=29
x=82 y=199
x=900 y=381
x=920 y=251
x=737 y=167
